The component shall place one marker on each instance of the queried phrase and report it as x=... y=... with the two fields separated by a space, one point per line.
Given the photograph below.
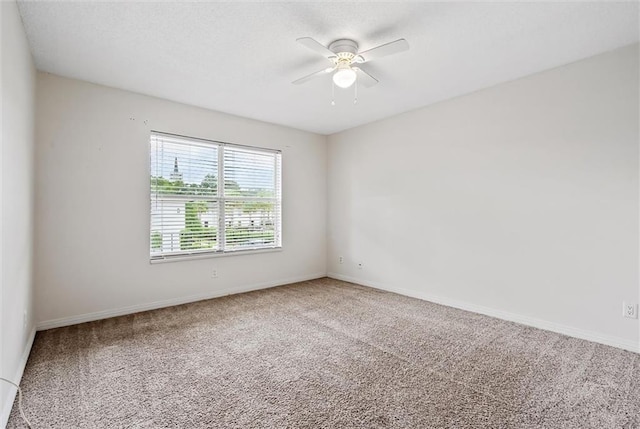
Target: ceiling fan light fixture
x=344 y=77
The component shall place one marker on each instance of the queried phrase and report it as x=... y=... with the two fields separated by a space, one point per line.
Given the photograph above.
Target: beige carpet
x=323 y=354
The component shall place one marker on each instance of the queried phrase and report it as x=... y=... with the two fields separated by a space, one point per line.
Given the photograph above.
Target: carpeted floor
x=323 y=354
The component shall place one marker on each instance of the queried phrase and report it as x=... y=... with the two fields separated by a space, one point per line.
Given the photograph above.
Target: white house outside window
x=210 y=198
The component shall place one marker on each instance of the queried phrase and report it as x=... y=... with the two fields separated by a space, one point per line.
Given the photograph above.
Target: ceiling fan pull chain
x=355 y=93
x=333 y=93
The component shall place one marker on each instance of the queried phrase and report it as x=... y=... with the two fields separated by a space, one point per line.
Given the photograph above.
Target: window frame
x=220 y=200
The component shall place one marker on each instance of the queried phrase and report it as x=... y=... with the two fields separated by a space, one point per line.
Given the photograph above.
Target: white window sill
x=207 y=255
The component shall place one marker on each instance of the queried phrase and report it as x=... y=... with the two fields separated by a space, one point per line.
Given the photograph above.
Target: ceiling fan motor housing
x=344 y=45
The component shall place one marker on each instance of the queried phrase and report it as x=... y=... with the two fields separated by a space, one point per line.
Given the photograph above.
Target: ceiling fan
x=345 y=58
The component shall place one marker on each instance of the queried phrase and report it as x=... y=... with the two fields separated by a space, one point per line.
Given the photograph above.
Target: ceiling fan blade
x=365 y=78
x=313 y=75
x=384 y=50
x=316 y=46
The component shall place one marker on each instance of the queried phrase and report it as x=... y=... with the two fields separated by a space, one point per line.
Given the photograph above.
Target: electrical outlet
x=341 y=259
x=630 y=310
x=359 y=265
x=214 y=274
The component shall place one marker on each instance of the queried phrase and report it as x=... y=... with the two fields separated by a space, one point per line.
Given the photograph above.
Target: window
x=210 y=198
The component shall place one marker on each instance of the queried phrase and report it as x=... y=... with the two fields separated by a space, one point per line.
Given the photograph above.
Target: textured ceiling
x=240 y=58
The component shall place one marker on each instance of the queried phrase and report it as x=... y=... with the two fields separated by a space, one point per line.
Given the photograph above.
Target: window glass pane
x=250 y=224
x=181 y=225
x=183 y=168
x=249 y=173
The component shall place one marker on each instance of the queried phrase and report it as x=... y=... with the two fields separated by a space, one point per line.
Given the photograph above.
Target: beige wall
x=18 y=109
x=92 y=204
x=519 y=201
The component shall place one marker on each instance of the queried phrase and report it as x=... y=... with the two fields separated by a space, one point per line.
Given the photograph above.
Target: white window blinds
x=192 y=214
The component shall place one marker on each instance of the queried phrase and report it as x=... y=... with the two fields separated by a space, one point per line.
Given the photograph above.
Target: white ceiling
x=240 y=58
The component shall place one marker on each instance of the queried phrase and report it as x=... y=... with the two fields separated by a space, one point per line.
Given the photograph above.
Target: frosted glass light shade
x=344 y=77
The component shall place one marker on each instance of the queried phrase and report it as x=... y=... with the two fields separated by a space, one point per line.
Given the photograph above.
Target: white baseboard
x=105 y=314
x=8 y=403
x=621 y=343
